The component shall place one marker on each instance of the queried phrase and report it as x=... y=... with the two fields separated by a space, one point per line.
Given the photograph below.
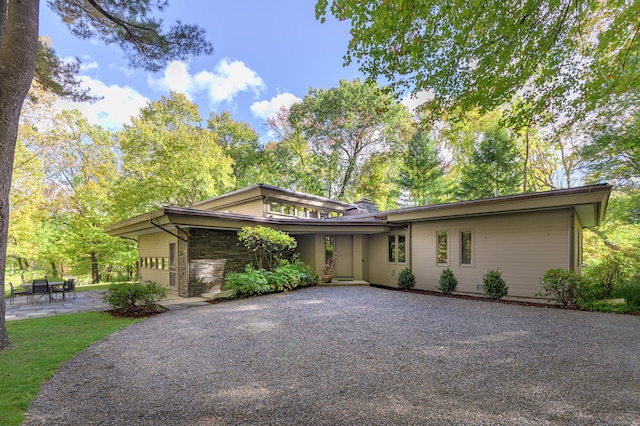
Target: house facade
x=189 y=250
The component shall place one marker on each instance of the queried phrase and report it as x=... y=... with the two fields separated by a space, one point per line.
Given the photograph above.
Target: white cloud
x=222 y=85
x=116 y=107
x=267 y=109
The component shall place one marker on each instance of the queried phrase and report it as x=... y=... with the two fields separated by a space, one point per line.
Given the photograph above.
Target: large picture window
x=466 y=247
x=442 y=247
x=397 y=248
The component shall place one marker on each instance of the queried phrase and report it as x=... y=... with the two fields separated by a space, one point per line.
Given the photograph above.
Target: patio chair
x=15 y=292
x=69 y=286
x=40 y=287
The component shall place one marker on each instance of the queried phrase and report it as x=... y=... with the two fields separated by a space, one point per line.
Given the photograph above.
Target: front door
x=343 y=255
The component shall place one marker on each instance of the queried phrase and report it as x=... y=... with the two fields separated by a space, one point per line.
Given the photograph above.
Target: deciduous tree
x=130 y=25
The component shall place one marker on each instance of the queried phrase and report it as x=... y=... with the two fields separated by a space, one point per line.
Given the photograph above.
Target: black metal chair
x=69 y=286
x=15 y=292
x=40 y=287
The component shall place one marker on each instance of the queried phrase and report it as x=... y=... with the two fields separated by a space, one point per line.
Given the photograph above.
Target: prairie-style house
x=190 y=249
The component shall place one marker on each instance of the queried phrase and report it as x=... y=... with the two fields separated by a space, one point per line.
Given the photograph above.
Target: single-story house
x=188 y=250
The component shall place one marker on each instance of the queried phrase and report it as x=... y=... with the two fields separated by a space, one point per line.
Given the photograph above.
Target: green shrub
x=288 y=275
x=128 y=297
x=569 y=289
x=447 y=282
x=406 y=279
x=266 y=245
x=614 y=269
x=251 y=282
x=630 y=292
x=493 y=284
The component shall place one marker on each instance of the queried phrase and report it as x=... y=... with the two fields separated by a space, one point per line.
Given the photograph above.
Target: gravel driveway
x=354 y=355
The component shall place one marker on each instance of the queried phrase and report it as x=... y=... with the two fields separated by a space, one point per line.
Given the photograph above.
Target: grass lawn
x=38 y=349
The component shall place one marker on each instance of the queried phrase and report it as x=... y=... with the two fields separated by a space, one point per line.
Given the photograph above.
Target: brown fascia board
x=176 y=212
x=560 y=198
x=134 y=223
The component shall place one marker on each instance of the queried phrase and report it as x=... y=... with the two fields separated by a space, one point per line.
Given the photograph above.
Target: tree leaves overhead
x=347 y=124
x=561 y=55
x=131 y=26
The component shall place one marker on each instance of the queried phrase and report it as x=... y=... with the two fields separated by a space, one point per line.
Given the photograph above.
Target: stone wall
x=207 y=275
x=218 y=246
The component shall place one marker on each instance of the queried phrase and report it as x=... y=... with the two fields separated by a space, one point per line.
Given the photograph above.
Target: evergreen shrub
x=447 y=282
x=493 y=284
x=406 y=279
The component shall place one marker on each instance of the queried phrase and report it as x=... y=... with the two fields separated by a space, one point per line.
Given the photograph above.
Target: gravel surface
x=354 y=355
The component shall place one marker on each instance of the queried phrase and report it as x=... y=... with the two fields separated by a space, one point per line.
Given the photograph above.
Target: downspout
x=167 y=231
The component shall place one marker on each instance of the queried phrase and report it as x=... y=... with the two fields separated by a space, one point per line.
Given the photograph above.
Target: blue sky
x=267 y=54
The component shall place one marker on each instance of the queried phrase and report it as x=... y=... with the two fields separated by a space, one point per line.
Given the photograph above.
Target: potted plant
x=327 y=272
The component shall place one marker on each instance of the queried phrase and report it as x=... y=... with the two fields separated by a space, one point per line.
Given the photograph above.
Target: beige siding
x=307 y=250
x=251 y=208
x=523 y=246
x=577 y=244
x=155 y=246
x=380 y=270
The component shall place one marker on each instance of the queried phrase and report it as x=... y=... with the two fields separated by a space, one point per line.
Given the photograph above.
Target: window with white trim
x=442 y=248
x=466 y=247
x=397 y=248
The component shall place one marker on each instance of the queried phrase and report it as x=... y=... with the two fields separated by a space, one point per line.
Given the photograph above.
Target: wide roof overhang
x=173 y=218
x=589 y=202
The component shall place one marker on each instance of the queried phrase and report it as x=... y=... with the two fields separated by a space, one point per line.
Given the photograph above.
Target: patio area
x=85 y=301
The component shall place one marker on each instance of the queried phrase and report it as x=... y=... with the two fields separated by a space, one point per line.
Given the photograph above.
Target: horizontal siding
x=156 y=246
x=251 y=208
x=380 y=271
x=523 y=246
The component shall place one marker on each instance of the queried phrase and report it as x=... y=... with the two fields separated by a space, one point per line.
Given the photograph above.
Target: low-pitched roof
x=590 y=203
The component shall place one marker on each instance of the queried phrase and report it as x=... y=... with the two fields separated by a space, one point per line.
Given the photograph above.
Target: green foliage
x=615 y=268
x=630 y=292
x=288 y=275
x=135 y=28
x=493 y=284
x=251 y=282
x=406 y=279
x=447 y=282
x=242 y=144
x=344 y=125
x=565 y=287
x=559 y=56
x=170 y=158
x=268 y=246
x=493 y=165
x=128 y=297
x=422 y=170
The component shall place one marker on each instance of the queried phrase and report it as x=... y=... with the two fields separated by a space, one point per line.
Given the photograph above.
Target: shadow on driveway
x=354 y=355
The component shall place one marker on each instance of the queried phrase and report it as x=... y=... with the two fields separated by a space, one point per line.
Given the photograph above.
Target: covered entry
x=339 y=248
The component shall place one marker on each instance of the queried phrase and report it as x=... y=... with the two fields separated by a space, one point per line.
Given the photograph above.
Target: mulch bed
x=138 y=312
x=483 y=299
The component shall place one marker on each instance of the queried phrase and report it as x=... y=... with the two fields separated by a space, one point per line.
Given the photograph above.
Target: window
x=312 y=213
x=442 y=247
x=289 y=209
x=466 y=247
x=402 y=253
x=275 y=208
x=397 y=248
x=392 y=248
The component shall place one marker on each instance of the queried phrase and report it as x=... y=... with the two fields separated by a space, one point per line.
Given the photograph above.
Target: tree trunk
x=18 y=53
x=95 y=273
